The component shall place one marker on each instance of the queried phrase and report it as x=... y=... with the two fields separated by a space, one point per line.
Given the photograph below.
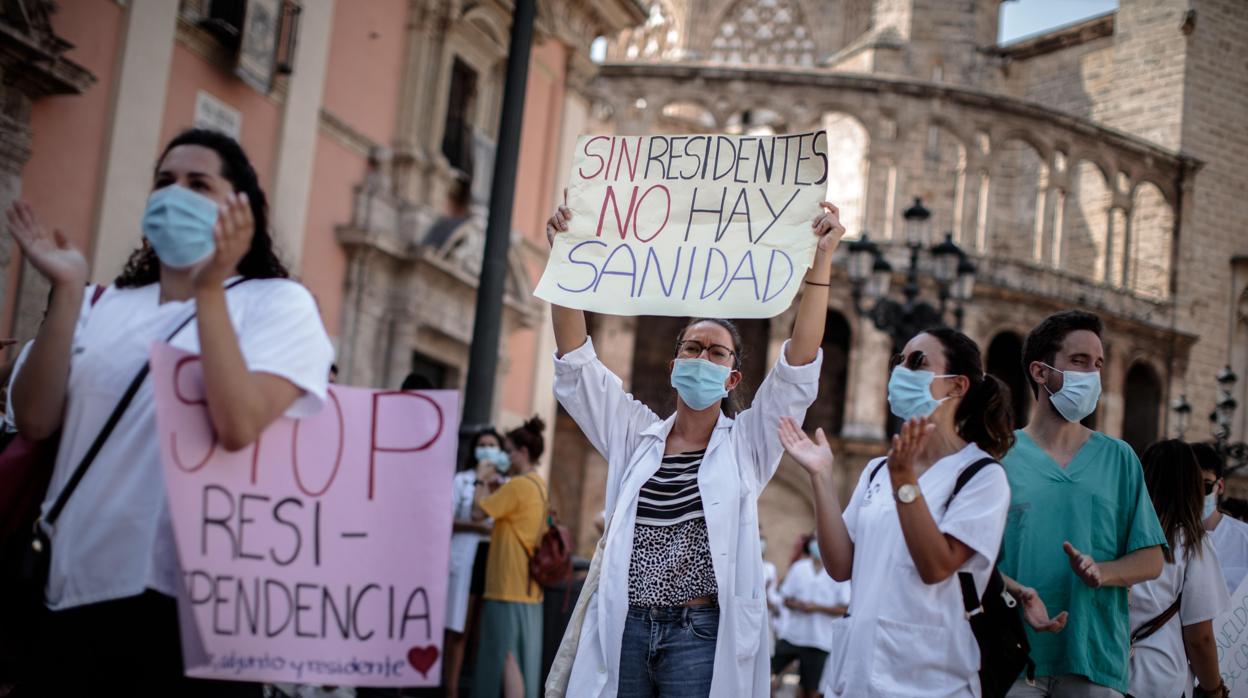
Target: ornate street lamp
x=871 y=274
x=1234 y=452
x=1183 y=413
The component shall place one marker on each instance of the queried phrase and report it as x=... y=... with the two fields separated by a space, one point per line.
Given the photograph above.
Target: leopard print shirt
x=671 y=564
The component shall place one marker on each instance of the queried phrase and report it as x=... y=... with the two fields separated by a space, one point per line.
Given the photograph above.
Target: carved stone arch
x=1018 y=176
x=849 y=168
x=690 y=109
x=749 y=32
x=1087 y=235
x=1043 y=148
x=1150 y=241
x=490 y=22
x=1143 y=392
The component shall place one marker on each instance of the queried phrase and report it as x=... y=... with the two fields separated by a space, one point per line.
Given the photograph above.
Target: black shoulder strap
x=970 y=597
x=876 y=471
x=63 y=498
x=965 y=476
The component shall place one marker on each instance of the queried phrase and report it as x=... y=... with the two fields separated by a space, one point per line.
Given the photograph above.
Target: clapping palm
x=815 y=456
x=51 y=255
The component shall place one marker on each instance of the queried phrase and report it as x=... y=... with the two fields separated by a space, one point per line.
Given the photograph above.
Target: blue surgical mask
x=1211 y=505
x=910 y=393
x=495 y=455
x=178 y=224
x=1078 y=396
x=699 y=382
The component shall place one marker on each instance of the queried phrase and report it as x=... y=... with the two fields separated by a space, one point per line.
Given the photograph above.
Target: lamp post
x=870 y=275
x=1235 y=453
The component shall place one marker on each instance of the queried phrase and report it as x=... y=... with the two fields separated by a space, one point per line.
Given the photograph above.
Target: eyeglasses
x=915 y=361
x=692 y=349
x=1209 y=486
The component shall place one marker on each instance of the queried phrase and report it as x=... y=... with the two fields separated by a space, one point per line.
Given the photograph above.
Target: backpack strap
x=965 y=476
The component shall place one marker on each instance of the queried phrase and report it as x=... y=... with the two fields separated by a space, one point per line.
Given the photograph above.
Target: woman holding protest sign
x=1172 y=615
x=917 y=519
x=679 y=606
x=207 y=280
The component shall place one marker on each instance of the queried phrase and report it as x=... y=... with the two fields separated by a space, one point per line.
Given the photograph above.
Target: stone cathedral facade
x=1100 y=165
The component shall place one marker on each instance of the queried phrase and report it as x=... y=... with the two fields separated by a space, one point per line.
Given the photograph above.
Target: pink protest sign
x=320 y=554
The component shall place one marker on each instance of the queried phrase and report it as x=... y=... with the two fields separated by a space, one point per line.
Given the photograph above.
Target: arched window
x=828 y=410
x=1141 y=398
x=1005 y=361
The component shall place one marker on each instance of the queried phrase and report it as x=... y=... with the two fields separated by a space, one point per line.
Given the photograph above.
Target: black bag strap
x=1149 y=628
x=965 y=476
x=875 y=472
x=63 y=498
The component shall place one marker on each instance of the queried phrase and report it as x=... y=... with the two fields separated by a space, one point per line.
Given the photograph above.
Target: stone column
x=301 y=118
x=866 y=404
x=416 y=151
x=134 y=134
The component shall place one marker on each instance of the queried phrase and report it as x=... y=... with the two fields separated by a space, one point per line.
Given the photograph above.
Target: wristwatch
x=907 y=493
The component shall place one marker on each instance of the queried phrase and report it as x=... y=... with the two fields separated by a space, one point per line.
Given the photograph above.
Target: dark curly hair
x=261 y=260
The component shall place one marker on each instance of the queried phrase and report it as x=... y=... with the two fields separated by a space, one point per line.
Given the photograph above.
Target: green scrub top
x=1100 y=504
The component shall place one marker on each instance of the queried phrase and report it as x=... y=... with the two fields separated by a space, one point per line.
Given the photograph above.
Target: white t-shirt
x=808 y=581
x=904 y=637
x=1230 y=539
x=114 y=538
x=1159 y=662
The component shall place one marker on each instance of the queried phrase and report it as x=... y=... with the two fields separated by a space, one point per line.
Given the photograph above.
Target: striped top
x=671 y=497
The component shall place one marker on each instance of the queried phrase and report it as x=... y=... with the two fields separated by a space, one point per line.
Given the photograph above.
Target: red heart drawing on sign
x=422 y=658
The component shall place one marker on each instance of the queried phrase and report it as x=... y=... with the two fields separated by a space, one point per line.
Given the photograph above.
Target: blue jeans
x=668 y=652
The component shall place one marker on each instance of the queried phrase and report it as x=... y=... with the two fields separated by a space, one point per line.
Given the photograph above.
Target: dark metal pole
x=486 y=327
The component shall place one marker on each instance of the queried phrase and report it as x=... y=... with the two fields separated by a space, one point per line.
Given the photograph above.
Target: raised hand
x=908 y=444
x=827 y=226
x=232 y=236
x=558 y=223
x=815 y=456
x=52 y=255
x=1036 y=614
x=1084 y=566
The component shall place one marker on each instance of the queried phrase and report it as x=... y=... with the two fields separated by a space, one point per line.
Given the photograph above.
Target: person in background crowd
x=1229 y=535
x=904 y=537
x=485 y=455
x=1235 y=508
x=813 y=601
x=1081 y=527
x=509 y=655
x=415 y=381
x=1172 y=615
x=771 y=589
x=264 y=353
x=680 y=606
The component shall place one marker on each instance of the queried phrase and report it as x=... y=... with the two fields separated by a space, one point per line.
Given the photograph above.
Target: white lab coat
x=740 y=459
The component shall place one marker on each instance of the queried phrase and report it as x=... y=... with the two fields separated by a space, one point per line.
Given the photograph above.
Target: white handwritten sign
x=1230 y=630
x=706 y=225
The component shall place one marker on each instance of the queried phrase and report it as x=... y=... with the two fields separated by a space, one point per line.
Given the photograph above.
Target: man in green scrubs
x=1081 y=526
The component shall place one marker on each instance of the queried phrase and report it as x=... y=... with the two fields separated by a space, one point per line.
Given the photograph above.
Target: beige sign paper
x=701 y=225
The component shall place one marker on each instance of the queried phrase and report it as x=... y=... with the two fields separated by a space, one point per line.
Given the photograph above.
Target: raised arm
x=812 y=311
x=570 y=330
x=241 y=403
x=835 y=546
x=40 y=386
